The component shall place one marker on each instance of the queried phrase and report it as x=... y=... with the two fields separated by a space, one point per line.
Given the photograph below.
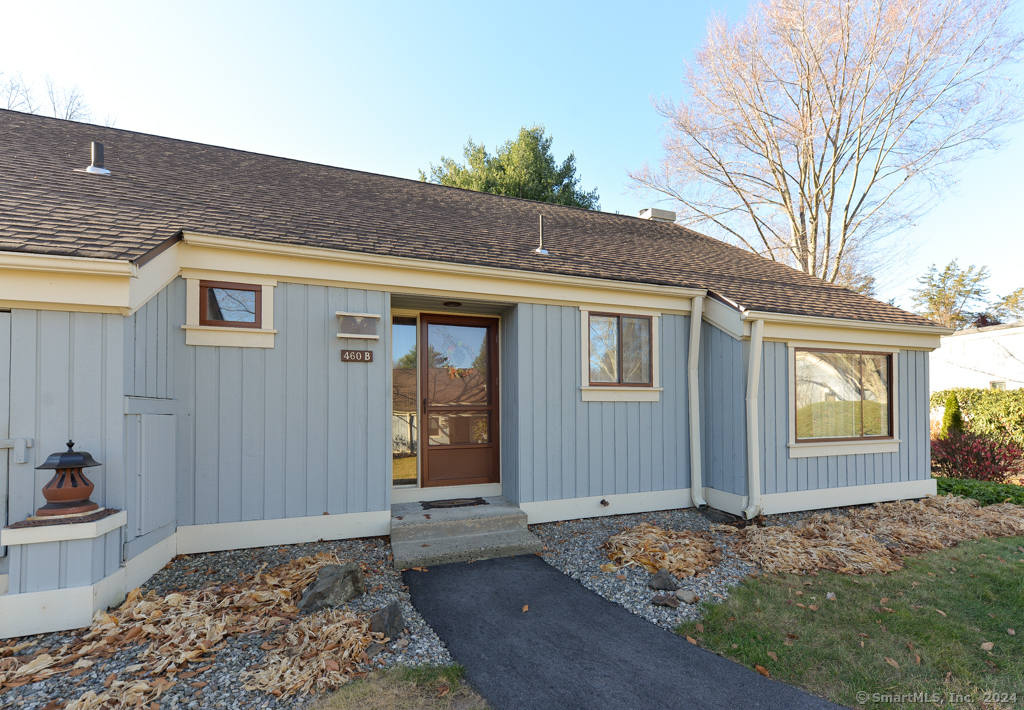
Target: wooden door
x=459 y=381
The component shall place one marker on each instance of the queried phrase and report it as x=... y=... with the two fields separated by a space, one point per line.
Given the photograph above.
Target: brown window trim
x=888 y=388
x=650 y=349
x=204 y=286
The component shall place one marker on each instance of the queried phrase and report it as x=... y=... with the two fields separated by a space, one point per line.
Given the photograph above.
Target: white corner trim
x=547 y=511
x=413 y=494
x=843 y=448
x=775 y=503
x=621 y=394
x=68 y=531
x=281 y=531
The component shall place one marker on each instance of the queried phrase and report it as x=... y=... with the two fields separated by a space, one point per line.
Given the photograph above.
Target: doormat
x=453 y=503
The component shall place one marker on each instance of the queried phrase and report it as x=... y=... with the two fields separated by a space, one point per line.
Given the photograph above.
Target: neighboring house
x=985 y=358
x=219 y=329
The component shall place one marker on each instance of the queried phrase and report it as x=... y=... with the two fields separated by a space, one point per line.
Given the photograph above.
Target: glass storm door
x=460 y=400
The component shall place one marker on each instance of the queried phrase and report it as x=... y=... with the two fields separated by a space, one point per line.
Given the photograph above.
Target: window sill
x=843 y=448
x=228 y=337
x=621 y=394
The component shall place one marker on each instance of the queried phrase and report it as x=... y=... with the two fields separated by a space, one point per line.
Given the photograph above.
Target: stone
x=687 y=596
x=666 y=600
x=334 y=585
x=663 y=579
x=374 y=648
x=402 y=643
x=388 y=621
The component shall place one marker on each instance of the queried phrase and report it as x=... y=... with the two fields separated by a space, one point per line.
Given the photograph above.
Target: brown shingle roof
x=159 y=186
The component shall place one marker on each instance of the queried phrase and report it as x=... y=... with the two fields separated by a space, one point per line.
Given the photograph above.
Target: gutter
x=753 y=508
x=696 y=481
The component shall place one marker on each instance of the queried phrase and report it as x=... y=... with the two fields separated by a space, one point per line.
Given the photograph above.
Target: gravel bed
x=224 y=688
x=575 y=547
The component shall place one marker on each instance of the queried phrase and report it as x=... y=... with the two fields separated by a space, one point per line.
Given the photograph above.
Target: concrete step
x=483 y=546
x=409 y=522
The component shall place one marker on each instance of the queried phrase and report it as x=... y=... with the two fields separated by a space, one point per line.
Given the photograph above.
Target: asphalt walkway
x=573 y=648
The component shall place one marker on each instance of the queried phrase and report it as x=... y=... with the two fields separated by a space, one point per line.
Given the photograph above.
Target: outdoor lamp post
x=68 y=491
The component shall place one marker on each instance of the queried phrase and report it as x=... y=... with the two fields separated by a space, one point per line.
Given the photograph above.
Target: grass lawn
x=420 y=688
x=404 y=469
x=884 y=633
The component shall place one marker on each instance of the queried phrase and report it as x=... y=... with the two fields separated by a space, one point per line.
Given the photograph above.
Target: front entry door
x=459 y=371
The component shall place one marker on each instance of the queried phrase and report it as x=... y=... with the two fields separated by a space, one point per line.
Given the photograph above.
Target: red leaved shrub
x=979 y=458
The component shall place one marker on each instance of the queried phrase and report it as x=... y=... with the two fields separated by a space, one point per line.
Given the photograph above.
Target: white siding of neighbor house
x=66 y=382
x=978 y=358
x=566 y=448
x=781 y=474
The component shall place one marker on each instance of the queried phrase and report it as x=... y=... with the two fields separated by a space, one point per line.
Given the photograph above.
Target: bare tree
x=16 y=94
x=815 y=129
x=66 y=103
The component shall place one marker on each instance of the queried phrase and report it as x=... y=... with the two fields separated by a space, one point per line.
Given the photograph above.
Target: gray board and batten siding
x=781 y=474
x=282 y=432
x=723 y=421
x=65 y=382
x=567 y=448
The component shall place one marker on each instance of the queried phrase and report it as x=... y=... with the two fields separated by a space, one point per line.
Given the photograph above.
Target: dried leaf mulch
x=875 y=539
x=683 y=553
x=184 y=630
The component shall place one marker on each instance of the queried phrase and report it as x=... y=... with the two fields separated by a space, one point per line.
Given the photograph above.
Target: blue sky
x=390 y=87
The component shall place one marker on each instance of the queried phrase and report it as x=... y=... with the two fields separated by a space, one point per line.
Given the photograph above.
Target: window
x=620 y=350
x=230 y=304
x=843 y=396
x=997 y=385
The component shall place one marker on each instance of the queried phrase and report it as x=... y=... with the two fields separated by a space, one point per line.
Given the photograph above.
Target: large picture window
x=843 y=395
x=230 y=304
x=620 y=350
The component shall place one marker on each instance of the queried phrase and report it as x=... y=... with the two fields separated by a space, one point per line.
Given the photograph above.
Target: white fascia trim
x=723 y=317
x=69 y=531
x=413 y=494
x=66 y=264
x=846 y=323
x=843 y=448
x=281 y=531
x=774 y=503
x=621 y=504
x=621 y=394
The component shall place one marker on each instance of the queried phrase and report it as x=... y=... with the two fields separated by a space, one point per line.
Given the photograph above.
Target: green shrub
x=953 y=418
x=985 y=492
x=998 y=414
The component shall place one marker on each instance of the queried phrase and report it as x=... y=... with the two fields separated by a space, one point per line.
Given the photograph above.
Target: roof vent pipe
x=540 y=249
x=97 y=161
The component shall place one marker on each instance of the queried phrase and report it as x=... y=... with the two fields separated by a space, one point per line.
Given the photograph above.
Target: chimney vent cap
x=96 y=168
x=658 y=215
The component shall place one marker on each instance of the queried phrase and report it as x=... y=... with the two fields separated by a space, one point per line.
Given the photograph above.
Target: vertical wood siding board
x=252 y=412
x=646 y=442
x=833 y=471
x=207 y=415
x=78 y=563
x=62 y=566
x=151 y=347
x=113 y=547
x=567 y=392
x=904 y=397
x=716 y=389
x=378 y=405
x=619 y=435
x=801 y=474
x=229 y=424
x=813 y=465
x=5 y=413
x=112 y=403
x=841 y=478
x=186 y=462
x=910 y=405
x=96 y=556
x=785 y=476
x=607 y=443
x=295 y=405
x=129 y=354
x=42 y=566
x=54 y=388
x=765 y=391
x=337 y=416
x=15 y=569
x=138 y=346
x=925 y=414
x=862 y=475
x=357 y=408
x=88 y=417
x=584 y=478
x=159 y=384
x=526 y=388
x=702 y=402
x=595 y=455
x=538 y=485
x=661 y=479
x=315 y=400
x=552 y=402
x=632 y=445
x=681 y=394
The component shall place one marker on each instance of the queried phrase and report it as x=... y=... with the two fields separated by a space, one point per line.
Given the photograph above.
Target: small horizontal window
x=843 y=396
x=230 y=304
x=620 y=350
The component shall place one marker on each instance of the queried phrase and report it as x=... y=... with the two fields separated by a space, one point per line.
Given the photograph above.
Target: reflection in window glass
x=457 y=365
x=358 y=325
x=636 y=350
x=404 y=417
x=460 y=428
x=231 y=305
x=604 y=348
x=842 y=395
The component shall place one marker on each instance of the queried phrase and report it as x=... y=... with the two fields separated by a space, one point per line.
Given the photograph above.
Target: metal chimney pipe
x=97 y=155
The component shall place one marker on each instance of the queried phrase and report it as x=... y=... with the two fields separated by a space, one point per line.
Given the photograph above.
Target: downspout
x=696 y=481
x=753 y=508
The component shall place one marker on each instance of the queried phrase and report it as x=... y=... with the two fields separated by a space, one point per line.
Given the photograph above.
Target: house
x=991 y=357
x=262 y=351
